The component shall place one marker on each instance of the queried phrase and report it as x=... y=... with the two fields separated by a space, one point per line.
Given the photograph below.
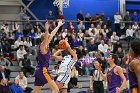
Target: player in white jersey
x=64 y=72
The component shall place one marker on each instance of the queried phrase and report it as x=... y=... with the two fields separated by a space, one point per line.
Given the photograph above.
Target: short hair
x=135 y=46
x=115 y=57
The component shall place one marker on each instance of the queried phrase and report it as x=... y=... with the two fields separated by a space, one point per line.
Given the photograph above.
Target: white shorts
x=64 y=78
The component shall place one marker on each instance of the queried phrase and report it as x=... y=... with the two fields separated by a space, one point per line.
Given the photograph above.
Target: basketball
x=62 y=44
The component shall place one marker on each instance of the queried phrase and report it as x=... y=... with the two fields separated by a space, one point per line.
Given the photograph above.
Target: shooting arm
x=56 y=55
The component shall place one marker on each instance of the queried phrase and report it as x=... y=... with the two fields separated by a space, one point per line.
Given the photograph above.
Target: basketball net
x=65 y=3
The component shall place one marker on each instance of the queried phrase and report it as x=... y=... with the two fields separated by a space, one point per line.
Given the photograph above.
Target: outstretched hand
x=47 y=25
x=60 y=22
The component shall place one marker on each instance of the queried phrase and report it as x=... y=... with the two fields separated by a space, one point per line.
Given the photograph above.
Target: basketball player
x=67 y=63
x=42 y=75
x=134 y=66
x=114 y=77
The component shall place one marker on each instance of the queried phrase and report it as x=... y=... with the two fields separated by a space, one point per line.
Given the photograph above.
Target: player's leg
x=36 y=89
x=64 y=90
x=53 y=87
x=60 y=85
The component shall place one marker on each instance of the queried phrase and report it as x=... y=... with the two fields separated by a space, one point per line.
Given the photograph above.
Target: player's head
x=77 y=51
x=113 y=58
x=134 y=50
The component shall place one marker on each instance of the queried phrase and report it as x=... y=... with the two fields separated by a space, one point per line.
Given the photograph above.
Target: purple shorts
x=42 y=76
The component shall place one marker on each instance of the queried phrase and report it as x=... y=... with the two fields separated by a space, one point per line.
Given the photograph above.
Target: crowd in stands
x=93 y=38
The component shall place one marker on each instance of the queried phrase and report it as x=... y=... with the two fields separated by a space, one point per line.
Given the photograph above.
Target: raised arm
x=56 y=55
x=72 y=52
x=48 y=37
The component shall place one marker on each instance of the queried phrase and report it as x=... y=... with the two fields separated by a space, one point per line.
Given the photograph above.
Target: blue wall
x=91 y=6
x=41 y=7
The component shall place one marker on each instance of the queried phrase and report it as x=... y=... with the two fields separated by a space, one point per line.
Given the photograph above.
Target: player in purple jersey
x=134 y=66
x=42 y=75
x=114 y=77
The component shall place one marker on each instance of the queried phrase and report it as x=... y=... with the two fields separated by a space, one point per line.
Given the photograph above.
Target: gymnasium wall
x=41 y=7
x=91 y=6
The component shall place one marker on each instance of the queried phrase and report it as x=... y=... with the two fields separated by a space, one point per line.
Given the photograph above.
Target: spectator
x=2 y=34
x=60 y=16
x=80 y=37
x=105 y=30
x=137 y=34
x=74 y=42
x=109 y=23
x=6 y=47
x=15 y=26
x=107 y=54
x=27 y=66
x=11 y=37
x=96 y=17
x=52 y=26
x=28 y=42
x=105 y=38
x=135 y=17
x=114 y=38
x=19 y=34
x=102 y=16
x=74 y=76
x=129 y=34
x=127 y=17
x=88 y=19
x=33 y=36
x=20 y=54
x=27 y=28
x=4 y=87
x=92 y=47
x=4 y=73
x=116 y=46
x=98 y=39
x=15 y=88
x=80 y=16
x=81 y=51
x=120 y=55
x=5 y=27
x=50 y=16
x=96 y=81
x=38 y=36
x=102 y=46
x=23 y=82
x=64 y=34
x=98 y=28
x=18 y=42
x=110 y=45
x=92 y=27
x=87 y=37
x=4 y=61
x=37 y=26
x=70 y=27
x=117 y=18
x=109 y=34
x=81 y=26
x=135 y=26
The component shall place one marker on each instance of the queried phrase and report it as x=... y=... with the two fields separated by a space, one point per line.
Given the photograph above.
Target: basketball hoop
x=65 y=3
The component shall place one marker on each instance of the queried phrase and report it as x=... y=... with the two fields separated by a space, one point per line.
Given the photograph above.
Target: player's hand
x=67 y=44
x=118 y=90
x=47 y=25
x=60 y=22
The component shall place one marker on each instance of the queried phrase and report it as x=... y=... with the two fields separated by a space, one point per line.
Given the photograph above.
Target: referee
x=96 y=81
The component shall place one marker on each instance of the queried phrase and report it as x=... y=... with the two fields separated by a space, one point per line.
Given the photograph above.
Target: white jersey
x=66 y=65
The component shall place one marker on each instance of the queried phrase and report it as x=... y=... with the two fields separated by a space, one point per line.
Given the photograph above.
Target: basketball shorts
x=64 y=78
x=42 y=76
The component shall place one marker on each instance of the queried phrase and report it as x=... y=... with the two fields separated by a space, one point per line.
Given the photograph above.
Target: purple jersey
x=114 y=81
x=133 y=79
x=43 y=59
